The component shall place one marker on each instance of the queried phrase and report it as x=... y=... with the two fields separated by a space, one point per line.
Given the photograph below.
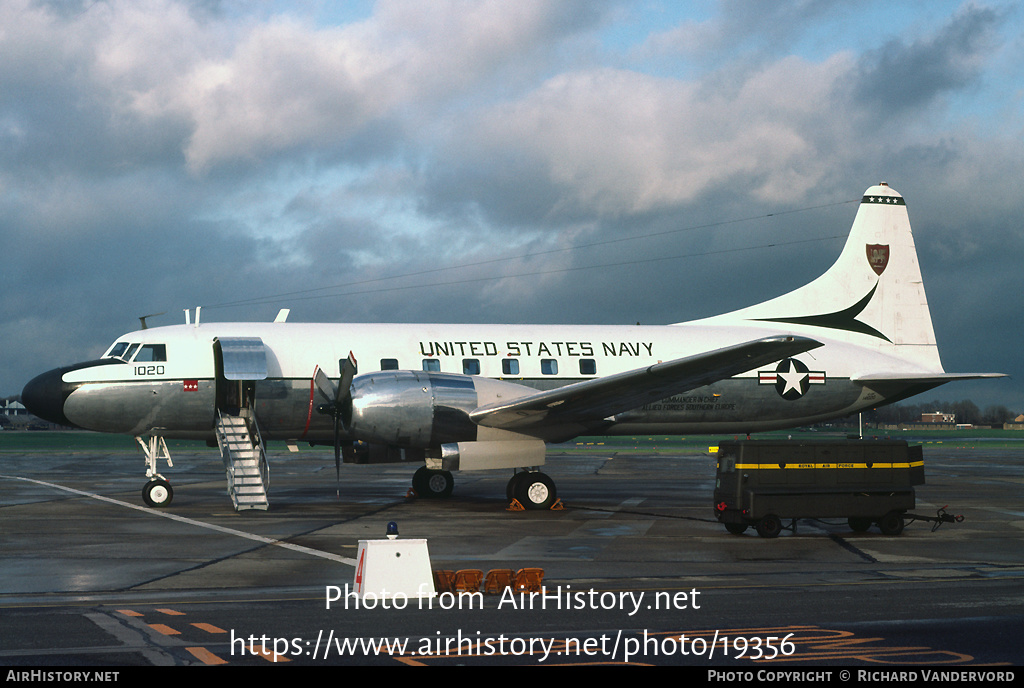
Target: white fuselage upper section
x=178 y=395
x=559 y=353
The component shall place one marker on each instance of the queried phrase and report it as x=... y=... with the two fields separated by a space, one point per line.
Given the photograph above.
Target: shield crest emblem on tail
x=878 y=257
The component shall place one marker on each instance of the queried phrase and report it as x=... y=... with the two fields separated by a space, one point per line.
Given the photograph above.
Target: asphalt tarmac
x=636 y=569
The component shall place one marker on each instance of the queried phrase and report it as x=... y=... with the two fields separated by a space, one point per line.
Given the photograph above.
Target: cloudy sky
x=495 y=161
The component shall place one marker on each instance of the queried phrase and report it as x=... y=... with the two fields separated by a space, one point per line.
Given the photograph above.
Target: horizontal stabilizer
x=594 y=400
x=899 y=386
x=934 y=378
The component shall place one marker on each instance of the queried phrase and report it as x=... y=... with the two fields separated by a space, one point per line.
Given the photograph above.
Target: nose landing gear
x=157 y=492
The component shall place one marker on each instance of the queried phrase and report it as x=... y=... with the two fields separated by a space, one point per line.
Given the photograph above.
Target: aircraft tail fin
x=872 y=295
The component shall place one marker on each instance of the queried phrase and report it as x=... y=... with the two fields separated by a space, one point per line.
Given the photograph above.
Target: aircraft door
x=240 y=362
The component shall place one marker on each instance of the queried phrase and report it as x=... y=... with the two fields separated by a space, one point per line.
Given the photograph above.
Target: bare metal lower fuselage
x=286 y=409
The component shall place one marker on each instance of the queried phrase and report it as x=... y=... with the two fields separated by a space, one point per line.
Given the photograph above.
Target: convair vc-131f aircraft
x=474 y=397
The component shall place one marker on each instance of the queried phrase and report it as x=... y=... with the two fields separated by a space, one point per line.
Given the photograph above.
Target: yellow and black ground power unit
x=761 y=483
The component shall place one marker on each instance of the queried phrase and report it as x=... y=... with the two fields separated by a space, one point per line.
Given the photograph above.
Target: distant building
x=12 y=407
x=938 y=417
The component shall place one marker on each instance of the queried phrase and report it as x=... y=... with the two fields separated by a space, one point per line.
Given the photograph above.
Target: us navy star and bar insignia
x=791 y=378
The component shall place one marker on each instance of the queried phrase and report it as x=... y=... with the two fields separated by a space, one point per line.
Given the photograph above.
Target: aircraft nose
x=44 y=396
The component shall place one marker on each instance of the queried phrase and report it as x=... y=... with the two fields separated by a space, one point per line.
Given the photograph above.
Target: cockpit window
x=130 y=352
x=150 y=353
x=117 y=351
x=143 y=353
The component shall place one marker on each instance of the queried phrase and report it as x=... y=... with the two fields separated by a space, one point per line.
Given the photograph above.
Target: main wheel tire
x=535 y=490
x=891 y=524
x=769 y=526
x=859 y=524
x=432 y=484
x=511 y=488
x=736 y=528
x=157 y=493
x=418 y=480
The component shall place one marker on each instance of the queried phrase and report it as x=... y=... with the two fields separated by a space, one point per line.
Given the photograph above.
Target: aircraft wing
x=587 y=403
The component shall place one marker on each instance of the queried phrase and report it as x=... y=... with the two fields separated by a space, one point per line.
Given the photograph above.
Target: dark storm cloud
x=903 y=75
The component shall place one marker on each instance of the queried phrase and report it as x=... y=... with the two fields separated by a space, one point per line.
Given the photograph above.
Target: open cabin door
x=240 y=362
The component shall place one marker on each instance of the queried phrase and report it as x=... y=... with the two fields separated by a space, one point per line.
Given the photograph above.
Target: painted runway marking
x=200 y=524
x=205 y=656
x=209 y=628
x=164 y=628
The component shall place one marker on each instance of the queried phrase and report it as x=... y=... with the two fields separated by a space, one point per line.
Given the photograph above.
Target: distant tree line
x=966 y=411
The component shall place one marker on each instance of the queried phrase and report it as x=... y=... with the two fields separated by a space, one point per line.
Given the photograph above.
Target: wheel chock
x=528 y=580
x=444 y=580
x=467 y=580
x=516 y=505
x=497 y=581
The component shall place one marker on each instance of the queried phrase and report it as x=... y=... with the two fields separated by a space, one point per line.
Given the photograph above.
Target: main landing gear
x=157 y=492
x=433 y=484
x=532 y=489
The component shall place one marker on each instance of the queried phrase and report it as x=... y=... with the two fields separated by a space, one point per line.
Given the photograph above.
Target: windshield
x=117 y=350
x=142 y=353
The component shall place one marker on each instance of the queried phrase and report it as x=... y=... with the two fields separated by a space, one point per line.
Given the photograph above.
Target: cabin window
x=588 y=366
x=470 y=366
x=389 y=364
x=510 y=366
x=150 y=353
x=431 y=365
x=549 y=366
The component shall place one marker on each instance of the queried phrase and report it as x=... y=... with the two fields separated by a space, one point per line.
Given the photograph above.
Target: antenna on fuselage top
x=142 y=319
x=188 y=316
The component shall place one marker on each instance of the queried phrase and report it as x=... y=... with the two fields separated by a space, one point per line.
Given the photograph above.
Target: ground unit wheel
x=534 y=490
x=433 y=484
x=891 y=523
x=157 y=493
x=736 y=528
x=769 y=526
x=859 y=524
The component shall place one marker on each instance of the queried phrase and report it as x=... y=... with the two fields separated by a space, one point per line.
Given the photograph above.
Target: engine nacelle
x=411 y=408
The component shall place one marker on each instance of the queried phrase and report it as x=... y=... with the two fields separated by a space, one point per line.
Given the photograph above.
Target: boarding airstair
x=245 y=461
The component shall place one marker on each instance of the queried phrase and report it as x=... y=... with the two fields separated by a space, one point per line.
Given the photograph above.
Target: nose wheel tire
x=157 y=493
